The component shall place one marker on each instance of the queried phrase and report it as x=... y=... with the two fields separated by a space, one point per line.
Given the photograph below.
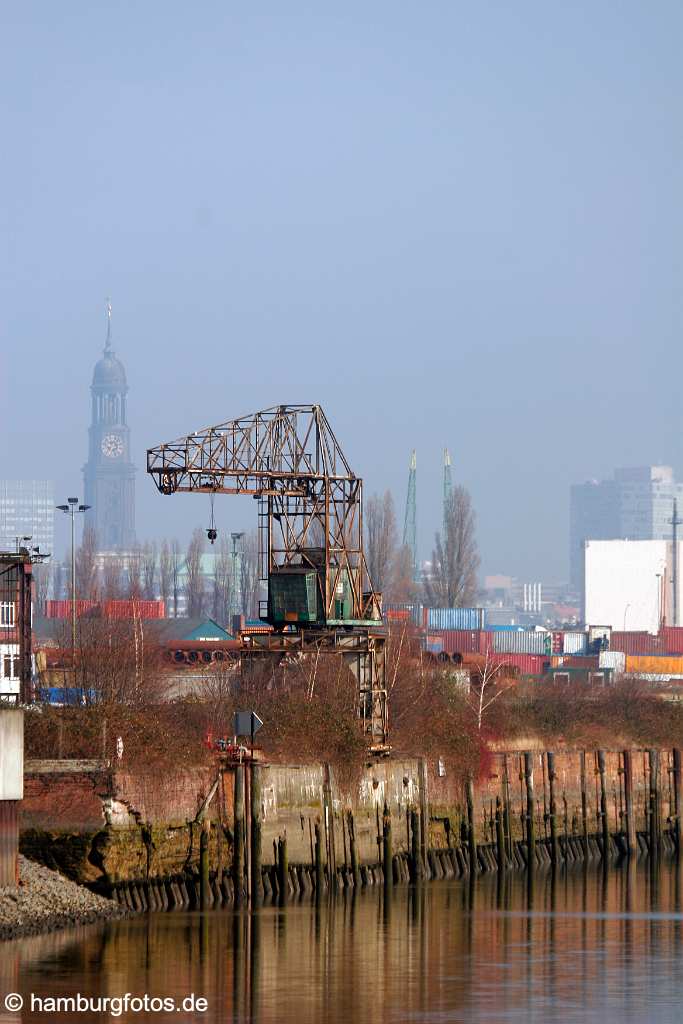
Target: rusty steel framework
x=310 y=519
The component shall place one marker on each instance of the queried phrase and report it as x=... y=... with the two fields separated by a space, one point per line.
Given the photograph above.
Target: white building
x=636 y=505
x=629 y=584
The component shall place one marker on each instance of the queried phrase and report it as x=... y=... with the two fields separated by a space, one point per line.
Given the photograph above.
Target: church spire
x=107 y=345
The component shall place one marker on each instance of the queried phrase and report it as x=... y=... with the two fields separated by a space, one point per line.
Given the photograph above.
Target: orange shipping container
x=654 y=664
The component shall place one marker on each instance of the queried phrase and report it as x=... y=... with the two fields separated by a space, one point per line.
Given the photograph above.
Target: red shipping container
x=62 y=609
x=672 y=638
x=134 y=609
x=465 y=641
x=525 y=664
x=636 y=643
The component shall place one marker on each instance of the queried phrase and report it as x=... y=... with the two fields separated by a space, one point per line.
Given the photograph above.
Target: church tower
x=109 y=475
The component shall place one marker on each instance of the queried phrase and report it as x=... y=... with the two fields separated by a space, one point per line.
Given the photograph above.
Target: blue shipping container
x=456 y=618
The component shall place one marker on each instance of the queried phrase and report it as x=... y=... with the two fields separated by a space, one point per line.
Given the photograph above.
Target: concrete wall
x=11 y=754
x=295 y=797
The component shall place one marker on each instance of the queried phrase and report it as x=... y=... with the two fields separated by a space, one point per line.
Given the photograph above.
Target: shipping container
x=134 y=609
x=672 y=639
x=615 y=660
x=62 y=609
x=523 y=643
x=661 y=665
x=433 y=644
x=455 y=618
x=464 y=641
x=557 y=642
x=506 y=629
x=637 y=643
x=585 y=661
x=414 y=613
x=574 y=643
x=524 y=664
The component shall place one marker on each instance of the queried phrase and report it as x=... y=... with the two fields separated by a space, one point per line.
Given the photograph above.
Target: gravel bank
x=45 y=901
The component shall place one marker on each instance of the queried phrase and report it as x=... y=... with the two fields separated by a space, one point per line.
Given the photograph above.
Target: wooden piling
x=500 y=836
x=204 y=865
x=655 y=811
x=387 y=853
x=631 y=844
x=506 y=808
x=584 y=806
x=353 y=850
x=677 y=800
x=283 y=868
x=471 y=827
x=319 y=876
x=238 y=851
x=554 y=856
x=256 y=837
x=530 y=810
x=416 y=861
x=604 y=820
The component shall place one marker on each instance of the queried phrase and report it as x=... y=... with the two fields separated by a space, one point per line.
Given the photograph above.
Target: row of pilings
x=546 y=837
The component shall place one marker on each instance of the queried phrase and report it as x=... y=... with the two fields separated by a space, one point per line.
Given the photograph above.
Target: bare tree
x=452 y=582
x=149 y=570
x=402 y=588
x=250 y=583
x=380 y=539
x=86 y=566
x=133 y=573
x=42 y=576
x=221 y=583
x=176 y=569
x=165 y=573
x=489 y=682
x=194 y=581
x=112 y=578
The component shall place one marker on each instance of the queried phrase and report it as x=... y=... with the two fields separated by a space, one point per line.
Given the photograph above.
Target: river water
x=581 y=946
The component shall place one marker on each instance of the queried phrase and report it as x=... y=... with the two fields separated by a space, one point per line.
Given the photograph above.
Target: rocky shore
x=45 y=901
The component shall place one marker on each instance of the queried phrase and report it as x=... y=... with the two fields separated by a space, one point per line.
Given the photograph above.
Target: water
x=581 y=947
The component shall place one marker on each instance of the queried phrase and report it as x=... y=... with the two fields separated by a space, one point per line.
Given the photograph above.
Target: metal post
x=584 y=806
x=500 y=836
x=238 y=849
x=256 y=879
x=73 y=598
x=471 y=830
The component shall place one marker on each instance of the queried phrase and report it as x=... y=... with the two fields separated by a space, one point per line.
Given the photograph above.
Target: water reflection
x=575 y=945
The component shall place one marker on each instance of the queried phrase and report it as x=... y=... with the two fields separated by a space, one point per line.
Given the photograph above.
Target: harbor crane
x=310 y=526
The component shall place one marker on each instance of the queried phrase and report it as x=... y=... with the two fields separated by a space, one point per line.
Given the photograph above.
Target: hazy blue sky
x=451 y=224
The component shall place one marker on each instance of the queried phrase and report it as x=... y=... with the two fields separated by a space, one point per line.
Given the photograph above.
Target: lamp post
x=233 y=589
x=70 y=510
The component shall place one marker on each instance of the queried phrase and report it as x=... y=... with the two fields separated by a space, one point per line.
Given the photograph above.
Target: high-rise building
x=636 y=505
x=27 y=509
x=109 y=475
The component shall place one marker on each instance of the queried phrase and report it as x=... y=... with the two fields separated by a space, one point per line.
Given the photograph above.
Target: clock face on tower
x=112 y=446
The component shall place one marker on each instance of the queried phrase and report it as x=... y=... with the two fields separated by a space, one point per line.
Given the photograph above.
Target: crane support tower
x=310 y=516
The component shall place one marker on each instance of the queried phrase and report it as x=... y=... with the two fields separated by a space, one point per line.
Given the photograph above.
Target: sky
x=450 y=224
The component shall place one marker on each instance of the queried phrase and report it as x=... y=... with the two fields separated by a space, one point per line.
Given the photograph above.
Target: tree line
x=164 y=571
x=449 y=580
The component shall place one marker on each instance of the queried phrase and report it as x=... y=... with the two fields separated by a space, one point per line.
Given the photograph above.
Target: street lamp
x=234 y=609
x=71 y=509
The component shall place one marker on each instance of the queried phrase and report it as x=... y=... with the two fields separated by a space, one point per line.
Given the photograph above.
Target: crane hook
x=212 y=532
